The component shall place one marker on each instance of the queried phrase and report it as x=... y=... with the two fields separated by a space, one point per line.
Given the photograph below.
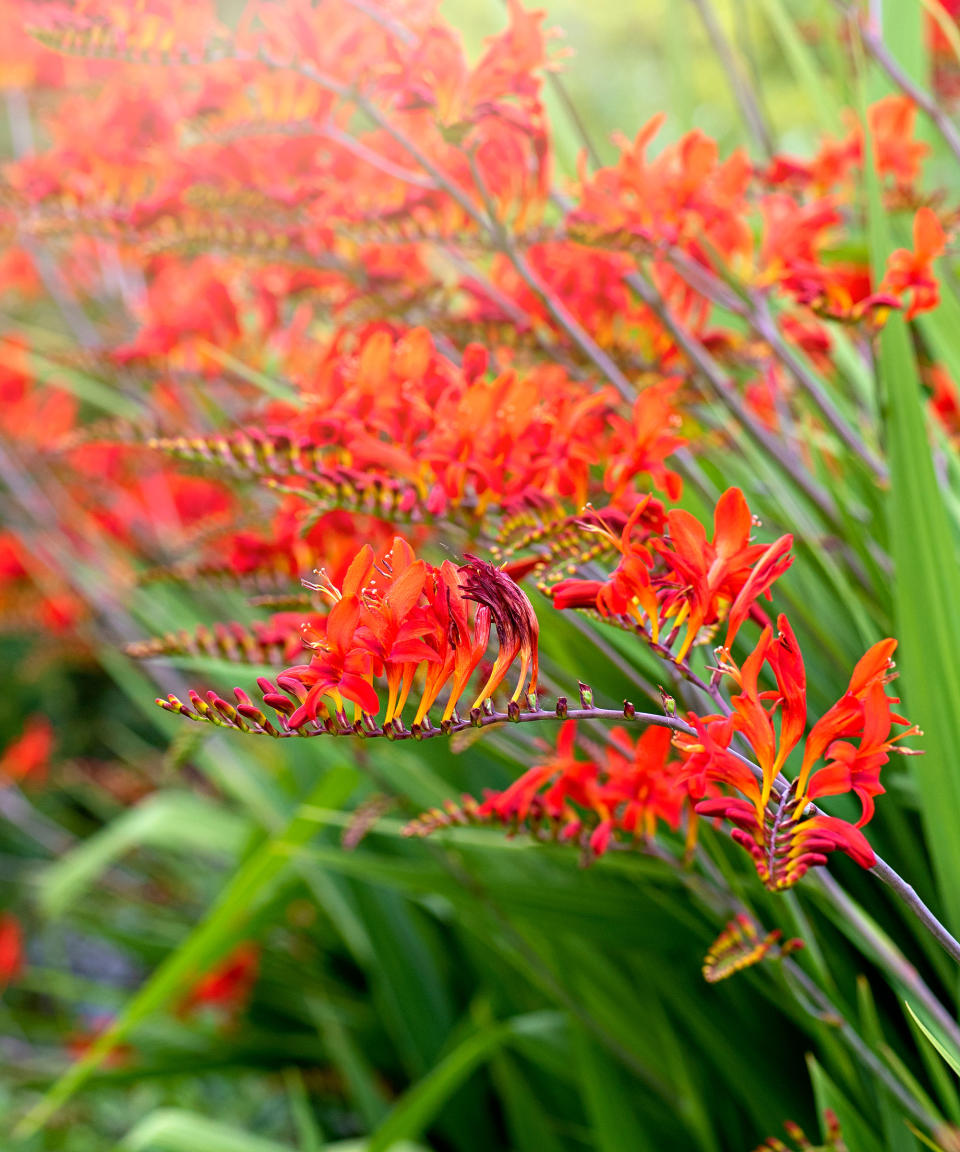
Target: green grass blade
x=207 y=941
x=414 y=1111
x=609 y=1101
x=179 y=821
x=856 y=1134
x=174 y=1130
x=276 y=389
x=803 y=64
x=926 y=591
x=941 y=1043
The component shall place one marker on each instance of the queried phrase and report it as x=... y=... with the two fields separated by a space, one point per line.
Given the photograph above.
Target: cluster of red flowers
x=853 y=739
x=391 y=408
x=536 y=359
x=624 y=792
x=403 y=620
x=628 y=787
x=277 y=240
x=670 y=576
x=228 y=985
x=27 y=759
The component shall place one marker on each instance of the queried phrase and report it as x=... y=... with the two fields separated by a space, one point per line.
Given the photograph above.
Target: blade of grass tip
x=309 y=1136
x=926 y=590
x=421 y=1103
x=204 y=943
x=940 y=1074
x=856 y=1133
x=940 y=1042
x=896 y=1135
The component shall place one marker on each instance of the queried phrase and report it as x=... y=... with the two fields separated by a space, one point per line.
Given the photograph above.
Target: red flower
x=341 y=668
x=681 y=578
x=913 y=271
x=853 y=738
x=400 y=617
x=620 y=795
x=629 y=591
x=229 y=984
x=393 y=626
x=718 y=579
x=11 y=949
x=28 y=757
x=512 y=614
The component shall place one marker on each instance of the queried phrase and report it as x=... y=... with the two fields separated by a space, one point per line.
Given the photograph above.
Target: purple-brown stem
x=875 y=47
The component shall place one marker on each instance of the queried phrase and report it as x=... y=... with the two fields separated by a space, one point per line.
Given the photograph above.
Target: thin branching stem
x=887 y=954
x=488 y=717
x=724 y=389
x=739 y=82
x=755 y=309
x=876 y=48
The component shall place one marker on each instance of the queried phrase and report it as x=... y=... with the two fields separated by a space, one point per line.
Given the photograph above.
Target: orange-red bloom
x=913 y=271
x=229 y=984
x=853 y=738
x=11 y=949
x=681 y=580
x=620 y=794
x=399 y=617
x=27 y=759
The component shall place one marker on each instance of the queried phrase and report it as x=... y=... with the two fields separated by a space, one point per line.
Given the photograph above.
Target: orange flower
x=512 y=614
x=681 y=578
x=621 y=795
x=718 y=579
x=395 y=619
x=629 y=591
x=11 y=949
x=853 y=738
x=229 y=984
x=28 y=758
x=913 y=271
x=341 y=668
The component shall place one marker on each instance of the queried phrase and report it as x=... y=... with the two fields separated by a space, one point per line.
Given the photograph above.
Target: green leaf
x=940 y=1042
x=179 y=821
x=609 y=1099
x=205 y=943
x=896 y=1133
x=856 y=1133
x=805 y=67
x=173 y=1130
x=926 y=591
x=414 y=1110
x=275 y=388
